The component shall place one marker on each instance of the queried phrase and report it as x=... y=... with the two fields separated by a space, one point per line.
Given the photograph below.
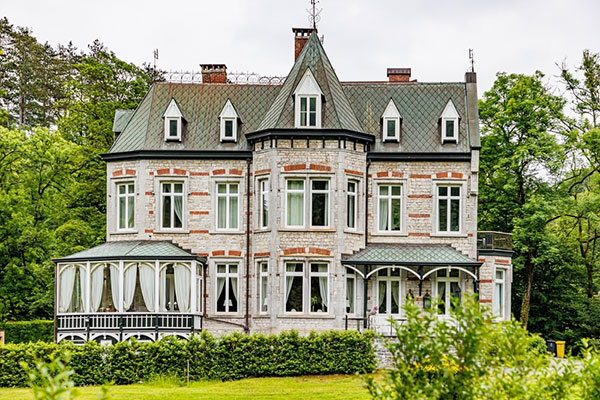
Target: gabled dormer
x=449 y=124
x=229 y=123
x=308 y=98
x=173 y=122
x=391 y=123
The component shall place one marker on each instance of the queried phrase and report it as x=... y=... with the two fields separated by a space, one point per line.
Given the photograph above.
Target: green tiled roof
x=136 y=249
x=122 y=118
x=336 y=111
x=409 y=254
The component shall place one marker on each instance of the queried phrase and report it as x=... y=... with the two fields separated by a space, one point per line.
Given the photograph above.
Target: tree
x=519 y=154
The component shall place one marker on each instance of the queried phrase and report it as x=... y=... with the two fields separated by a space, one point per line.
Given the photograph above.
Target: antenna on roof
x=472 y=60
x=155 y=62
x=314 y=14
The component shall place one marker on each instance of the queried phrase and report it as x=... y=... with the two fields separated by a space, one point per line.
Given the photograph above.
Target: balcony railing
x=491 y=240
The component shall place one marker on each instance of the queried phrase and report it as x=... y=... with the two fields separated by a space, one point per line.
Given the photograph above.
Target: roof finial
x=472 y=60
x=314 y=15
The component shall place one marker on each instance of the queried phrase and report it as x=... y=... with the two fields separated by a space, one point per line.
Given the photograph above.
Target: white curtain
x=182 y=286
x=383 y=215
x=263 y=292
x=382 y=289
x=234 y=286
x=147 y=279
x=289 y=280
x=396 y=293
x=129 y=286
x=114 y=287
x=220 y=286
x=162 y=295
x=65 y=292
x=178 y=208
x=97 y=287
x=323 y=285
x=83 y=273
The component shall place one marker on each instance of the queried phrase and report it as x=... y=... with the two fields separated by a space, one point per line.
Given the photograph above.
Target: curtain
x=234 y=287
x=182 y=286
x=147 y=284
x=263 y=293
x=162 y=288
x=382 y=289
x=220 y=286
x=396 y=294
x=383 y=215
x=66 y=281
x=130 y=211
x=350 y=294
x=129 y=286
x=233 y=212
x=114 y=287
x=97 y=287
x=323 y=285
x=178 y=209
x=83 y=273
x=295 y=203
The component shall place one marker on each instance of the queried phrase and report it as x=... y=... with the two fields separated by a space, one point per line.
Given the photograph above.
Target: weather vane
x=314 y=15
x=472 y=60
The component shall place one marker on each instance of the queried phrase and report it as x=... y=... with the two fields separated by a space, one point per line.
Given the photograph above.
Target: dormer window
x=229 y=121
x=449 y=124
x=308 y=98
x=173 y=122
x=391 y=123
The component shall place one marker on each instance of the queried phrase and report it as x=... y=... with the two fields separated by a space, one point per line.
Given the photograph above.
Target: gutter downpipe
x=248 y=181
x=366 y=280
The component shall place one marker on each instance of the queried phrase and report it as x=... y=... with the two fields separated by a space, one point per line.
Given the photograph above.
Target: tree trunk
x=527 y=294
x=590 y=276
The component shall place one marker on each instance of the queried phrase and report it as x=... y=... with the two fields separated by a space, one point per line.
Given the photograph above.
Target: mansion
x=312 y=204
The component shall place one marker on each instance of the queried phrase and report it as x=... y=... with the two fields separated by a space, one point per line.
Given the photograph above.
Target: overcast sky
x=362 y=38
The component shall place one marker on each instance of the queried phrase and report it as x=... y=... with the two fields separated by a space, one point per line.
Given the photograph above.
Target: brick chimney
x=301 y=36
x=214 y=73
x=398 y=74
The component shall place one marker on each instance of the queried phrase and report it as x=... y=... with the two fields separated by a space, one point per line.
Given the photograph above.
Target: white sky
x=362 y=38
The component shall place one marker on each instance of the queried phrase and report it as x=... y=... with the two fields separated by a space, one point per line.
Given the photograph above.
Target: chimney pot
x=399 y=74
x=301 y=36
x=214 y=73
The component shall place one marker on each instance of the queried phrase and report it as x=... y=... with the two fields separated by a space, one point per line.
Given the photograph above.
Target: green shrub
x=228 y=357
x=28 y=331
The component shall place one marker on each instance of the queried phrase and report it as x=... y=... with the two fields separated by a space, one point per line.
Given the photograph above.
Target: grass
x=303 y=387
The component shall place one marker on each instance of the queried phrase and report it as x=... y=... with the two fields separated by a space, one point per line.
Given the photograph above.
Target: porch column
x=88 y=284
x=156 y=286
x=365 y=287
x=120 y=307
x=193 y=288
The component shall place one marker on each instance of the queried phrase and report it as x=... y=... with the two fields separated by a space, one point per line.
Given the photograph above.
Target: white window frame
x=307 y=206
x=500 y=304
x=172 y=195
x=390 y=197
x=168 y=136
x=326 y=192
x=449 y=115
x=228 y=195
x=126 y=195
x=227 y=275
x=317 y=274
x=386 y=137
x=309 y=111
x=461 y=206
x=306 y=276
x=448 y=280
x=199 y=288
x=297 y=191
x=262 y=274
x=224 y=137
x=354 y=195
x=308 y=88
x=263 y=200
x=294 y=274
x=389 y=279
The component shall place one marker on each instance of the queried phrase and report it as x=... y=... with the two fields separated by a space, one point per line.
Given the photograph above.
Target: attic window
x=308 y=98
x=391 y=123
x=229 y=123
x=173 y=122
x=449 y=124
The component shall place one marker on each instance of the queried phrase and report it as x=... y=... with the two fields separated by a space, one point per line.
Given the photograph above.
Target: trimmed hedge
x=28 y=331
x=229 y=357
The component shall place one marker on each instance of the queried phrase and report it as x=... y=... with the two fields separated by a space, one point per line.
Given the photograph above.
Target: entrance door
x=448 y=287
x=389 y=299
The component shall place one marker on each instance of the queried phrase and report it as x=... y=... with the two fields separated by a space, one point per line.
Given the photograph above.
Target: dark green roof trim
x=311 y=134
x=414 y=264
x=178 y=155
x=131 y=258
x=398 y=156
x=495 y=252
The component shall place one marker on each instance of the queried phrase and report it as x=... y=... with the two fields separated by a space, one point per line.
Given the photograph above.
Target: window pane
x=454 y=273
x=319 y=209
x=350 y=295
x=395 y=297
x=221 y=295
x=173 y=127
x=455 y=191
x=166 y=188
x=130 y=211
x=499 y=301
x=233 y=213
x=383 y=190
x=499 y=274
x=303 y=104
x=391 y=128
x=295 y=209
x=233 y=295
x=121 y=212
x=320 y=185
x=396 y=216
x=233 y=188
x=383 y=214
x=455 y=293
x=450 y=128
x=178 y=187
x=233 y=268
x=221 y=268
x=295 y=185
x=396 y=190
x=454 y=215
x=228 y=128
x=263 y=292
x=294 y=289
x=352 y=187
x=121 y=189
x=222 y=188
x=318 y=294
x=382 y=297
x=166 y=217
x=264 y=203
x=294 y=267
x=177 y=211
x=442 y=272
x=351 y=211
x=313 y=105
x=222 y=213
x=130 y=188
x=443 y=191
x=441 y=287
x=443 y=215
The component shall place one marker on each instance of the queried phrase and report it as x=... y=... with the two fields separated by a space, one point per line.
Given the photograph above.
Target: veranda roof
x=133 y=250
x=410 y=255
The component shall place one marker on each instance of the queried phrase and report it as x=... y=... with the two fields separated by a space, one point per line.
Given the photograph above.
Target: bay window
x=126 y=205
x=227 y=288
x=171 y=205
x=390 y=208
x=316 y=204
x=227 y=206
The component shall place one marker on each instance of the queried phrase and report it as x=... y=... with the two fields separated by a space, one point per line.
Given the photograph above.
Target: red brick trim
x=149 y=193
x=322 y=252
x=163 y=171
x=130 y=172
x=455 y=175
x=199 y=194
x=383 y=174
x=295 y=167
x=485 y=281
x=352 y=172
x=397 y=174
x=199 y=174
x=178 y=171
x=419 y=196
x=199 y=231
x=218 y=253
x=419 y=234
x=199 y=212
x=470 y=235
x=485 y=301
x=151 y=212
x=481 y=260
x=420 y=176
x=117 y=172
x=149 y=231
x=263 y=171
x=202 y=254
x=263 y=254
x=218 y=172
x=501 y=261
x=418 y=215
x=235 y=253
x=151 y=173
x=295 y=250
x=318 y=167
x=235 y=172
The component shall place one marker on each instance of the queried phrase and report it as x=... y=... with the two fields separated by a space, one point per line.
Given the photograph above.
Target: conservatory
x=119 y=290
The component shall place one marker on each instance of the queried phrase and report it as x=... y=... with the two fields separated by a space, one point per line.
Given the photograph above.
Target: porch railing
x=491 y=240
x=129 y=321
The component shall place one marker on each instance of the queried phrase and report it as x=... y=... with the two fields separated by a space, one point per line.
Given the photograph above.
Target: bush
x=28 y=331
x=229 y=357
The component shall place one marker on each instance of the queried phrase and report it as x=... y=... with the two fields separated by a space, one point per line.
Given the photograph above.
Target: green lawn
x=305 y=387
